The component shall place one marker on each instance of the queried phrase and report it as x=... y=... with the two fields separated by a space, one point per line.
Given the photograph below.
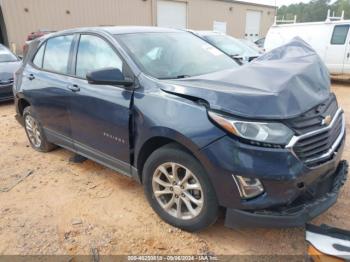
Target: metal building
x=18 y=18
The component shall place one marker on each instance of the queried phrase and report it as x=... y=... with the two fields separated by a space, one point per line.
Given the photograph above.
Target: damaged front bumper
x=298 y=213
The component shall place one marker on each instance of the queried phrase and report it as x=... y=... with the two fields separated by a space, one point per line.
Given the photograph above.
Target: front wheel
x=179 y=190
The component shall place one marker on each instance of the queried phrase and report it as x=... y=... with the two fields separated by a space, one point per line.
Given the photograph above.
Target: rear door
x=338 y=49
x=100 y=113
x=46 y=80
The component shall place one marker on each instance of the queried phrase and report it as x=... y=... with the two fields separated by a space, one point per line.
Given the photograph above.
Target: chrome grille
x=312 y=119
x=318 y=146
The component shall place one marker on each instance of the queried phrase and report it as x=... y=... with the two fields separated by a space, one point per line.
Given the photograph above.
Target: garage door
x=252 y=28
x=171 y=14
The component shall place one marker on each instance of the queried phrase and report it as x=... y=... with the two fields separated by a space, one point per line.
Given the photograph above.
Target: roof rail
x=333 y=17
x=283 y=21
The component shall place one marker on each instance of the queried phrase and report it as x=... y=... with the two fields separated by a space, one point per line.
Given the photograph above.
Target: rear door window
x=57 y=54
x=94 y=53
x=340 y=34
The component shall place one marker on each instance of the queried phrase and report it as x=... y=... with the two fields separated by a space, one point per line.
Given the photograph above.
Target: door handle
x=31 y=77
x=74 y=88
x=348 y=55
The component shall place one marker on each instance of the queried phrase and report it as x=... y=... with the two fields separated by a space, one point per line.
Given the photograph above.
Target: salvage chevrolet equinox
x=263 y=141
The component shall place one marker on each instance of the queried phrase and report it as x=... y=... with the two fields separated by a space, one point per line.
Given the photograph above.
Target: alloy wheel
x=178 y=191
x=33 y=131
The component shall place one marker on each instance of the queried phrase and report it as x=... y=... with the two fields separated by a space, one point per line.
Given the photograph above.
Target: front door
x=100 y=113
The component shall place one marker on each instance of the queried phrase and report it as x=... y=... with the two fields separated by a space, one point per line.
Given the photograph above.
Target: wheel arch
x=158 y=141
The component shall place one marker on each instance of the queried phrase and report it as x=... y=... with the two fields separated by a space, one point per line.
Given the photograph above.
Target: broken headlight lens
x=248 y=187
x=274 y=133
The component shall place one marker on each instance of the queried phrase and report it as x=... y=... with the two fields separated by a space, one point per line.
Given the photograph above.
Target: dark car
x=235 y=48
x=182 y=118
x=9 y=63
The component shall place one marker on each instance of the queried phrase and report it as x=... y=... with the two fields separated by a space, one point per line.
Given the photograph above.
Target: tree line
x=315 y=10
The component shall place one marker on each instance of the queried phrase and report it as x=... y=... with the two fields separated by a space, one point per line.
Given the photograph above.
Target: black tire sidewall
x=172 y=153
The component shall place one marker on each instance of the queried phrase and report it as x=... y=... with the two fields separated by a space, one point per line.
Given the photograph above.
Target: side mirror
x=108 y=76
x=238 y=59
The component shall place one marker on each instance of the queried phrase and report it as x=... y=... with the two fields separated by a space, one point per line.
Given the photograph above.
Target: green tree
x=341 y=5
x=315 y=10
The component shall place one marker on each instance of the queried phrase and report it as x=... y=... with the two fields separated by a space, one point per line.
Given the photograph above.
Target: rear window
x=340 y=34
x=57 y=54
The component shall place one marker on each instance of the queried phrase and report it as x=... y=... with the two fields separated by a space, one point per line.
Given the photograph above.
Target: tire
x=205 y=208
x=32 y=126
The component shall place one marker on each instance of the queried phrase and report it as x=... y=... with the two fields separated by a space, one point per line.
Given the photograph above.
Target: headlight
x=274 y=133
x=248 y=187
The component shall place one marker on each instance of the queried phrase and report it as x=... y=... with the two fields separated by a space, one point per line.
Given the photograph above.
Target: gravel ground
x=52 y=206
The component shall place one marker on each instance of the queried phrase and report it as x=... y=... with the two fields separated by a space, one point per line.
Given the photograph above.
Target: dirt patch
x=9 y=179
x=84 y=208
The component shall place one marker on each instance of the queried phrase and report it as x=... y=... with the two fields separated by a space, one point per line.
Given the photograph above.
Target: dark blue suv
x=182 y=118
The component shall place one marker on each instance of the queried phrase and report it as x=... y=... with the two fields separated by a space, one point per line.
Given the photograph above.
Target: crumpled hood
x=281 y=84
x=7 y=70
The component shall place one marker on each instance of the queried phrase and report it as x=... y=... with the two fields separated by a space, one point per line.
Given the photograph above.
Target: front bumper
x=295 y=214
x=283 y=175
x=291 y=195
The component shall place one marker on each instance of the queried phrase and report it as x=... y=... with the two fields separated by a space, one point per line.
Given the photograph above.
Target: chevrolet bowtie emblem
x=327 y=120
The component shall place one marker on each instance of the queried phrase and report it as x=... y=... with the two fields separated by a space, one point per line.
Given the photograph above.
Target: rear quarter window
x=38 y=58
x=340 y=34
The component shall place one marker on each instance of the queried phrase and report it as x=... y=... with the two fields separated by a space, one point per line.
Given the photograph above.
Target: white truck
x=330 y=39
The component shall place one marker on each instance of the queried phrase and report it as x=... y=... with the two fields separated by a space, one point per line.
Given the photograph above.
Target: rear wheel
x=179 y=190
x=35 y=132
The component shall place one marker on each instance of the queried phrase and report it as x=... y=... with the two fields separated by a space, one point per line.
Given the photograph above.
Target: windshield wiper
x=175 y=77
x=182 y=76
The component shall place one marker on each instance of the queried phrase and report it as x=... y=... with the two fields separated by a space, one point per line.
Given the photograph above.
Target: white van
x=330 y=39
